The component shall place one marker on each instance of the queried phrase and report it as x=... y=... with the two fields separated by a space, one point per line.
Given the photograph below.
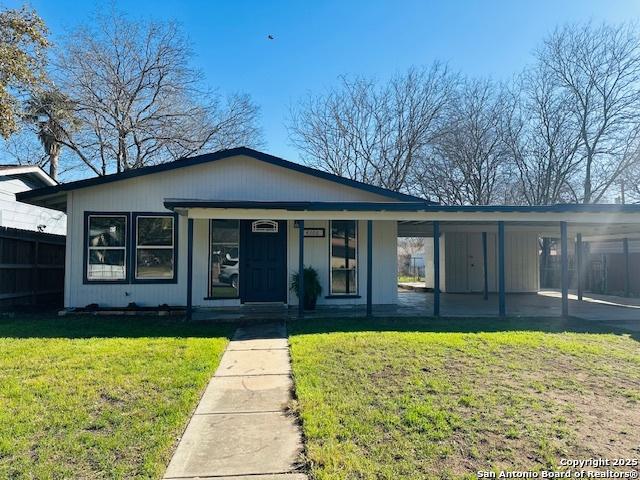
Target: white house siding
x=24 y=216
x=385 y=265
x=464 y=264
x=236 y=178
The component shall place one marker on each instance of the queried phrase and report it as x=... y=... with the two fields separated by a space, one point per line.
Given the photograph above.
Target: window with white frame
x=155 y=247
x=106 y=247
x=344 y=257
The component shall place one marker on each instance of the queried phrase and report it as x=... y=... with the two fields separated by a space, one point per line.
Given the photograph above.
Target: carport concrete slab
x=246 y=394
x=254 y=362
x=237 y=444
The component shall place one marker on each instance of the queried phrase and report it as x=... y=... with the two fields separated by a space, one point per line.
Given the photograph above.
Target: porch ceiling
x=415 y=218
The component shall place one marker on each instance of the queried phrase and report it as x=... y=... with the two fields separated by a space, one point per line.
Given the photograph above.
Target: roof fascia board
x=452 y=216
x=29 y=170
x=415 y=206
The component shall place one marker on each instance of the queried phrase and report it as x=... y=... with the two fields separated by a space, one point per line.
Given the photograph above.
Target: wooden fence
x=31 y=268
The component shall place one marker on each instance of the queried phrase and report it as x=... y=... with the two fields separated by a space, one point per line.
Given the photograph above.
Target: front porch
x=617 y=311
x=492 y=250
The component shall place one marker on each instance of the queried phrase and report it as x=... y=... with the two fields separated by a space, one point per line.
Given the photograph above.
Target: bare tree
x=598 y=67
x=467 y=163
x=137 y=100
x=408 y=248
x=369 y=131
x=543 y=140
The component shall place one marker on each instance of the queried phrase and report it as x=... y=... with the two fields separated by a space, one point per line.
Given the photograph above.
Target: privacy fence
x=31 y=268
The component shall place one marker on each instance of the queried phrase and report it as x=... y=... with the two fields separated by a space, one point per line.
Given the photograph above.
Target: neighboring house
x=13 y=214
x=227 y=228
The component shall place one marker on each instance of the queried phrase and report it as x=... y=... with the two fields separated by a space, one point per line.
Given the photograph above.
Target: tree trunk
x=587 y=179
x=54 y=160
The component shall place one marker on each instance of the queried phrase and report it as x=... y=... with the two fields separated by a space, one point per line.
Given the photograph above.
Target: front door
x=263 y=246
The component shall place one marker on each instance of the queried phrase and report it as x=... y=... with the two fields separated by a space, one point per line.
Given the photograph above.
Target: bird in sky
x=271 y=37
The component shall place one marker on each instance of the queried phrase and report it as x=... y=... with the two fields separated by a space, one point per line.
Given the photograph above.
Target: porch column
x=369 y=267
x=189 y=268
x=502 y=300
x=579 y=266
x=485 y=264
x=436 y=268
x=301 y=268
x=627 y=276
x=565 y=268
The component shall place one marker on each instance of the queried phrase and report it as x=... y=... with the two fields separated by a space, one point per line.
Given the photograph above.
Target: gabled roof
x=212 y=157
x=32 y=172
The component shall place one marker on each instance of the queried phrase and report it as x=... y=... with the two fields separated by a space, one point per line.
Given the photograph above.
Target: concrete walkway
x=240 y=429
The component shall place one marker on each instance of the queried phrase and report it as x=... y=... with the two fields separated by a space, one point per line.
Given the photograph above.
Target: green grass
x=98 y=397
x=409 y=279
x=444 y=399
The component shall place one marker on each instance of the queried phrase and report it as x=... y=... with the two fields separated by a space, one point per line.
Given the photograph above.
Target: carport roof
x=403 y=206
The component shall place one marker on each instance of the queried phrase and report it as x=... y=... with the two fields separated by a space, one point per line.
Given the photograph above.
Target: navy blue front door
x=263 y=277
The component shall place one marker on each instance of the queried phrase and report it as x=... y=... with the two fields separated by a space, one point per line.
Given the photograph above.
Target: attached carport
x=571 y=224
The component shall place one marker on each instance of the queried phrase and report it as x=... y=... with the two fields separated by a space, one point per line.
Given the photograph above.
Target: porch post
x=627 y=276
x=485 y=264
x=189 y=268
x=301 y=268
x=436 y=268
x=502 y=301
x=369 y=267
x=579 y=267
x=565 y=268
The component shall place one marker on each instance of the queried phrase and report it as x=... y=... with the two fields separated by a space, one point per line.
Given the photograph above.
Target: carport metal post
x=485 y=265
x=436 y=268
x=300 y=268
x=565 y=268
x=502 y=302
x=579 y=268
x=189 y=268
x=625 y=250
x=369 y=267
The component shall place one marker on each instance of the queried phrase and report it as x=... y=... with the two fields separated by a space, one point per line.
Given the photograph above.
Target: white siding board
x=521 y=262
x=15 y=214
x=316 y=252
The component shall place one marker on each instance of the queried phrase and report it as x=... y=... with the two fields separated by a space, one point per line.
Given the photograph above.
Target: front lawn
x=99 y=397
x=444 y=399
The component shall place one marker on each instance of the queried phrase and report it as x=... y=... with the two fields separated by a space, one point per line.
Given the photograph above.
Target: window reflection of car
x=229 y=270
x=150 y=261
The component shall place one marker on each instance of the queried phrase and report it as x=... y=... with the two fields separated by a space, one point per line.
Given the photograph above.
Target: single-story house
x=13 y=214
x=230 y=228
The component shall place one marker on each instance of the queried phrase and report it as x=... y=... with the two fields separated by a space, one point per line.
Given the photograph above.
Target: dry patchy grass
x=381 y=404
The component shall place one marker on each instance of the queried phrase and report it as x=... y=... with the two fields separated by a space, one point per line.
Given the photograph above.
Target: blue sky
x=316 y=41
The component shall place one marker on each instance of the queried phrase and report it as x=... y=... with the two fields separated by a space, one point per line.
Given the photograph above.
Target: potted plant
x=312 y=287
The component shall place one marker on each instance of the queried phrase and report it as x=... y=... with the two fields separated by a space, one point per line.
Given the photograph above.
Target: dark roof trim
x=415 y=206
x=212 y=157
